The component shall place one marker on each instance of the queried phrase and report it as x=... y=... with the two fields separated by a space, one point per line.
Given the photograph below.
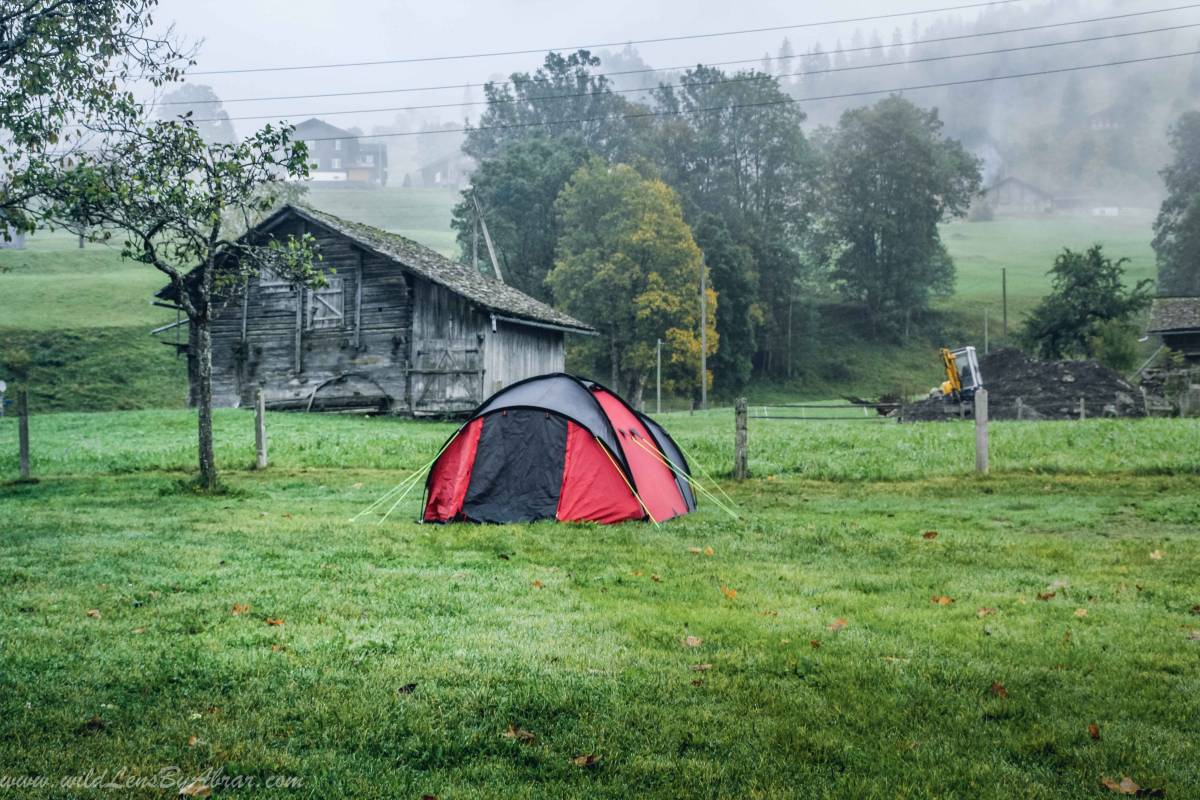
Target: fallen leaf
x=984 y=612
x=1194 y=636
x=766 y=612
x=139 y=630
x=1157 y=556
x=192 y=741
x=195 y=789
x=585 y=760
x=93 y=725
x=637 y=573
x=356 y=485
x=730 y=593
x=1094 y=731
x=520 y=734
x=998 y=690
x=837 y=624
x=94 y=613
x=656 y=579
x=693 y=641
x=1081 y=612
x=929 y=535
x=708 y=551
x=407 y=688
x=695 y=551
x=701 y=667
x=697 y=682
x=1045 y=596
x=815 y=643
x=1126 y=786
x=538 y=584
x=785 y=641
x=942 y=600
x=239 y=609
x=274 y=621
x=286 y=515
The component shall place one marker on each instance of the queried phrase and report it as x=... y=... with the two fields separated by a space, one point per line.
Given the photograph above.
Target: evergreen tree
x=1177 y=227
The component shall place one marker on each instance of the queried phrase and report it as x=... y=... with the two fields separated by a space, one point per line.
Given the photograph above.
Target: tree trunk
x=208 y=463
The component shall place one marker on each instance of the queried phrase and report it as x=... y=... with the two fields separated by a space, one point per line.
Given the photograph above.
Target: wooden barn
x=398 y=329
x=1176 y=320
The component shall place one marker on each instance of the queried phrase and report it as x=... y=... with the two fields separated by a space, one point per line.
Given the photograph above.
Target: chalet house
x=1176 y=320
x=397 y=329
x=1014 y=196
x=337 y=155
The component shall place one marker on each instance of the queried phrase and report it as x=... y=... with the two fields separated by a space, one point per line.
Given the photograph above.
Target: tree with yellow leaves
x=627 y=263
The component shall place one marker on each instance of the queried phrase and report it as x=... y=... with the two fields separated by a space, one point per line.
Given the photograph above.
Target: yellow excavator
x=962 y=375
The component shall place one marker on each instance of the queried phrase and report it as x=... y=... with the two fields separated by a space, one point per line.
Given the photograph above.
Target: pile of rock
x=1020 y=387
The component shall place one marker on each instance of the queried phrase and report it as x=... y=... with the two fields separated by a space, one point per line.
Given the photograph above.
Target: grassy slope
x=895 y=704
x=53 y=286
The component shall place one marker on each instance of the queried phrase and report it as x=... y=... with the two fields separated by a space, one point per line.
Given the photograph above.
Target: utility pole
x=985 y=330
x=475 y=244
x=658 y=377
x=1004 y=294
x=703 y=334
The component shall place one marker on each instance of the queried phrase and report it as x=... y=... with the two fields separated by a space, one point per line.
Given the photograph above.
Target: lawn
x=260 y=633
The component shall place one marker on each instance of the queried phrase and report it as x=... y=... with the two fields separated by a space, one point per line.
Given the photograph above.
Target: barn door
x=447 y=376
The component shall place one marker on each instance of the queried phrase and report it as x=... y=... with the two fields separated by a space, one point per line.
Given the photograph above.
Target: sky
x=257 y=33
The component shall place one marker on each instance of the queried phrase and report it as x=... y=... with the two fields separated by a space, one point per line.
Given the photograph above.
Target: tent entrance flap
x=518 y=467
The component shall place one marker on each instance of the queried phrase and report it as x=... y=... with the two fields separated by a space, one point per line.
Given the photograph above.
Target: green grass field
x=136 y=631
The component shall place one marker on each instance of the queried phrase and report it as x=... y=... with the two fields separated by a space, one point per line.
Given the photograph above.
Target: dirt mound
x=1041 y=390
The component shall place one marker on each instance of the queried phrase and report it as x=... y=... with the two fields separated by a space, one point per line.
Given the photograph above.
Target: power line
x=837 y=51
x=783 y=101
x=684 y=37
x=737 y=79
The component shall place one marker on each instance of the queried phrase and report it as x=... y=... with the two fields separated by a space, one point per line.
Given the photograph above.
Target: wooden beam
x=358 y=286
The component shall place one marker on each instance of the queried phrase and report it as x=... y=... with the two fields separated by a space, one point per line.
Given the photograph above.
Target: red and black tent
x=558 y=447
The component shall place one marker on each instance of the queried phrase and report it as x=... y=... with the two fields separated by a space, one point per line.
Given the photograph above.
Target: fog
x=1042 y=129
x=256 y=34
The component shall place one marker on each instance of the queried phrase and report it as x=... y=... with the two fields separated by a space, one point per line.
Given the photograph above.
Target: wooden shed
x=399 y=328
x=1177 y=321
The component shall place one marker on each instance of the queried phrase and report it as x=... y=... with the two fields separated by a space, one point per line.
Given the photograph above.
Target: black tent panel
x=561 y=393
x=678 y=463
x=518 y=471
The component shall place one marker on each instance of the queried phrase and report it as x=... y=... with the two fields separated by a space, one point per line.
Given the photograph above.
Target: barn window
x=335 y=163
x=337 y=144
x=326 y=305
x=268 y=281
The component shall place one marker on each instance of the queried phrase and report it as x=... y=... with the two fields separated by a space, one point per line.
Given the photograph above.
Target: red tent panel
x=593 y=487
x=653 y=479
x=452 y=474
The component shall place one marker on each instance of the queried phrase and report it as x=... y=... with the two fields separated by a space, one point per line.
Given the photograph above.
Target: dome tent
x=558 y=447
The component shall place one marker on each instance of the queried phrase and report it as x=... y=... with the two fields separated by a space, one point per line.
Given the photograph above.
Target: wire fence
x=826 y=412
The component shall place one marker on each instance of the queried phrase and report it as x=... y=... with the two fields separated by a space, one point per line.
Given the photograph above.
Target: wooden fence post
x=23 y=431
x=981 y=431
x=1020 y=409
x=1082 y=410
x=740 y=458
x=260 y=429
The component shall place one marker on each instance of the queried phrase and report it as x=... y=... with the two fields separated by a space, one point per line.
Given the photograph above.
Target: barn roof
x=1174 y=314
x=487 y=292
